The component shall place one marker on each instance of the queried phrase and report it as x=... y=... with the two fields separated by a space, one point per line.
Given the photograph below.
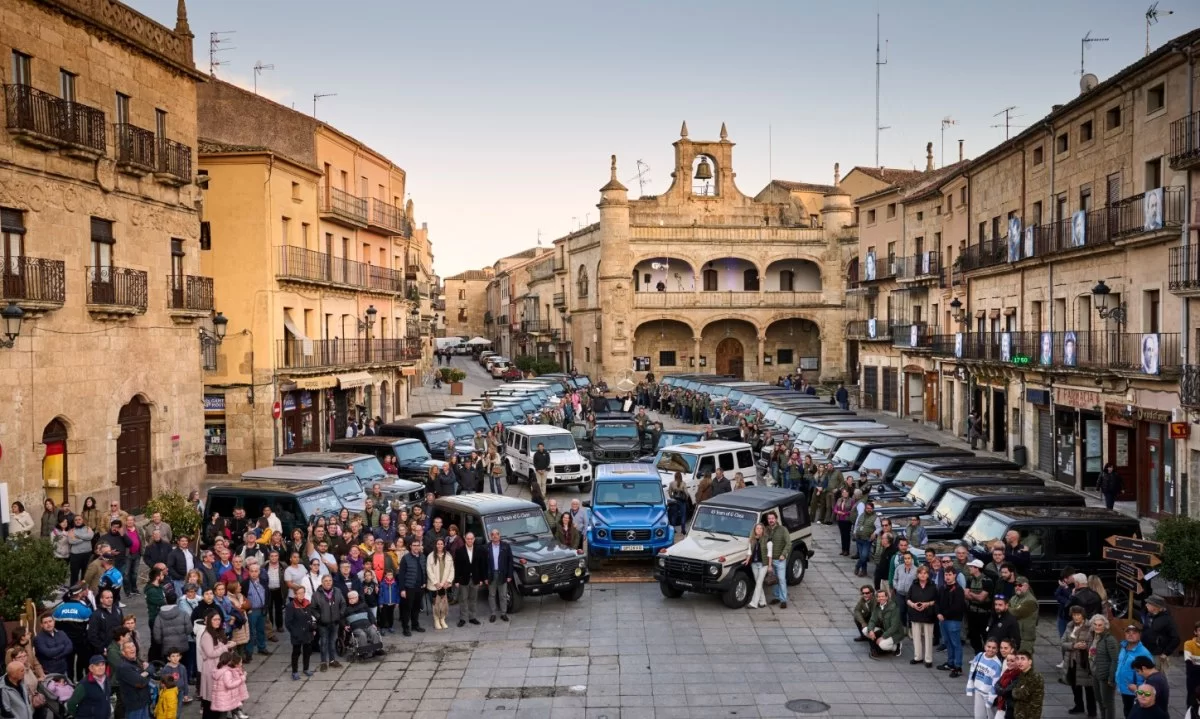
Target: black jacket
x=118 y=547
x=1161 y=636
x=928 y=593
x=1004 y=627
x=541 y=459
x=134 y=688
x=157 y=553
x=1089 y=600
x=101 y=626
x=952 y=602
x=465 y=475
x=300 y=622
x=412 y=572
x=443 y=484
x=506 y=560
x=721 y=486
x=471 y=571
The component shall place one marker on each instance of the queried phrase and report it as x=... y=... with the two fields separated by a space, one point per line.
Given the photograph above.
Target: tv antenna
x=642 y=177
x=218 y=44
x=880 y=61
x=258 y=69
x=318 y=96
x=539 y=238
x=1008 y=118
x=1152 y=18
x=947 y=121
x=1083 y=46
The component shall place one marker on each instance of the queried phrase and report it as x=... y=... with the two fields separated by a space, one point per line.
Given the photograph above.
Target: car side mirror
x=587 y=503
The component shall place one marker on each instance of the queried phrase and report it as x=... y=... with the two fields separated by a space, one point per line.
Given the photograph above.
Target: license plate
x=633 y=548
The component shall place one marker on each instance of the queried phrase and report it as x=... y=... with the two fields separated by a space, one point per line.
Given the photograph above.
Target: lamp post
x=957 y=312
x=12 y=316
x=1105 y=306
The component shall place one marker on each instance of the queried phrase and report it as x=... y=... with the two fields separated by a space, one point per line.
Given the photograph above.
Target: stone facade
x=102 y=237
x=466 y=303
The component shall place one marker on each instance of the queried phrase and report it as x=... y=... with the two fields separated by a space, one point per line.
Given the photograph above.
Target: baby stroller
x=57 y=689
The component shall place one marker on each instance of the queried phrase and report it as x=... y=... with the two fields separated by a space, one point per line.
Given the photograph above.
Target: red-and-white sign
x=276 y=410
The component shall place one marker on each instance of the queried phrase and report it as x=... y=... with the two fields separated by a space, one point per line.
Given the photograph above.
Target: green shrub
x=547 y=366
x=177 y=512
x=1180 y=537
x=445 y=373
x=525 y=363
x=30 y=571
x=456 y=375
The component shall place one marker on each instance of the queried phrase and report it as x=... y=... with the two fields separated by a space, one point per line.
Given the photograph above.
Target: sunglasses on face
x=1144 y=693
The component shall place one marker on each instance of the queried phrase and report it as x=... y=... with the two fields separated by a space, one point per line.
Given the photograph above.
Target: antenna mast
x=947 y=121
x=880 y=61
x=258 y=69
x=216 y=45
x=1152 y=18
x=642 y=177
x=318 y=96
x=1008 y=116
x=1083 y=46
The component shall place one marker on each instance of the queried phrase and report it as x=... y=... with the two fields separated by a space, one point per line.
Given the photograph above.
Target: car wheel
x=516 y=600
x=738 y=594
x=574 y=594
x=670 y=591
x=593 y=562
x=796 y=566
x=585 y=488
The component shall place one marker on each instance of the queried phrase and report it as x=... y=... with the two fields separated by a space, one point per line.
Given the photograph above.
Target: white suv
x=695 y=459
x=567 y=466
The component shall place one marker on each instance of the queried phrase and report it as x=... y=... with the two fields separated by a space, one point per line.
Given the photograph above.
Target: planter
x=456 y=388
x=1185 y=617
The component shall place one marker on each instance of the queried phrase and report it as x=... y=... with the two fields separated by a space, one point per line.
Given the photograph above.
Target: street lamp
x=365 y=325
x=217 y=333
x=12 y=315
x=957 y=311
x=1105 y=306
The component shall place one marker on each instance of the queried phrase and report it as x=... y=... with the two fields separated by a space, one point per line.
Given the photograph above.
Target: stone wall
x=238 y=117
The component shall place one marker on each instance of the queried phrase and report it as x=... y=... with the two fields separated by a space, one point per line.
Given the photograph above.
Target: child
x=1191 y=666
x=175 y=669
x=370 y=593
x=229 y=686
x=168 y=698
x=389 y=598
x=981 y=680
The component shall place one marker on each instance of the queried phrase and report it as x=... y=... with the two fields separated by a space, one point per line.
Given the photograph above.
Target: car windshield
x=773 y=414
x=923 y=491
x=950 y=509
x=319 y=503
x=848 y=452
x=368 y=470
x=512 y=525
x=736 y=395
x=622 y=493
x=719 y=520
x=808 y=433
x=668 y=461
x=502 y=416
x=875 y=462
x=554 y=442
x=986 y=528
x=582 y=382
x=908 y=475
x=410 y=452
x=461 y=431
x=669 y=438
x=476 y=421
x=616 y=431
x=347 y=487
x=720 y=391
x=824 y=442
x=438 y=437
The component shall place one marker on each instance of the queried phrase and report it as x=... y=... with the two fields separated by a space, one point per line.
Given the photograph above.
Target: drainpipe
x=1182 y=497
x=1050 y=302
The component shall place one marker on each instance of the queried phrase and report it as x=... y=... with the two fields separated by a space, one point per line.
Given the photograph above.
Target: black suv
x=851 y=454
x=435 y=436
x=880 y=466
x=541 y=565
x=911 y=469
x=959 y=507
x=1057 y=538
x=613 y=440
x=412 y=458
x=297 y=504
x=923 y=498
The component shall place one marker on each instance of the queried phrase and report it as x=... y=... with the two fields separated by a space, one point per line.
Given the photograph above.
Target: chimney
x=837 y=174
x=960 y=150
x=929 y=157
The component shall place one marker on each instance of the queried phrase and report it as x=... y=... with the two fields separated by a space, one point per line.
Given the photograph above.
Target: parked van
x=628 y=513
x=567 y=466
x=342 y=481
x=296 y=503
x=370 y=472
x=696 y=459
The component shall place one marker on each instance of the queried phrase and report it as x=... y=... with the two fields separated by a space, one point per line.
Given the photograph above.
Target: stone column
x=696 y=352
x=762 y=366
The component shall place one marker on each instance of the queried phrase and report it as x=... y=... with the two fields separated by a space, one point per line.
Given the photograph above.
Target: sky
x=504 y=115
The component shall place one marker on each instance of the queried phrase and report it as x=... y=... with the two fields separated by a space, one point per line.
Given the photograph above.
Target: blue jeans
x=143 y=713
x=952 y=638
x=780 y=567
x=130 y=580
x=327 y=635
x=257 y=619
x=864 y=554
x=677 y=510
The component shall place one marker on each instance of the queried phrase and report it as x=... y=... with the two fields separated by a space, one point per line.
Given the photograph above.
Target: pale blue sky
x=504 y=114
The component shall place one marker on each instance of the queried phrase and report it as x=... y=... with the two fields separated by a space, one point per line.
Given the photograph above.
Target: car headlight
x=662 y=561
x=714 y=569
x=602 y=533
x=660 y=533
x=545 y=578
x=531 y=572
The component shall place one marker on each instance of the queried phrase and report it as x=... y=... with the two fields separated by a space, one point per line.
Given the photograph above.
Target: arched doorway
x=54 y=463
x=133 y=455
x=731 y=357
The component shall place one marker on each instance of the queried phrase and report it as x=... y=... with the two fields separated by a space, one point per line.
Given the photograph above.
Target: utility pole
x=216 y=45
x=318 y=96
x=258 y=69
x=1152 y=18
x=880 y=61
x=1083 y=46
x=1007 y=112
x=947 y=121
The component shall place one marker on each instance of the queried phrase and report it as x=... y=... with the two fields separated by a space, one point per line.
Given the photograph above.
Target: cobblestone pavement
x=625 y=652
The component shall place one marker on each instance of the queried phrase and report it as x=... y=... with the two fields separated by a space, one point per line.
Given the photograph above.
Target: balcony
x=503 y=320
x=116 y=292
x=559 y=265
x=986 y=253
x=36 y=284
x=1189 y=386
x=189 y=293
x=535 y=327
x=1185 y=142
x=438 y=305
x=386 y=217
x=923 y=266
x=1096 y=351
x=384 y=279
x=869 y=330
x=135 y=149
x=1184 y=270
x=297 y=264
x=174 y=165
x=560 y=299
x=313 y=354
x=46 y=121
x=884 y=269
x=342 y=207
x=915 y=336
x=723 y=300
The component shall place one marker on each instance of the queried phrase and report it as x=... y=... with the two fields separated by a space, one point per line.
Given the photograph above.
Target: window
x=1156 y=98
x=783 y=357
x=1062 y=144
x=1037 y=213
x=22 y=73
x=710 y=280
x=285 y=230
x=725 y=461
x=1153 y=309
x=462 y=315
x=1038 y=155
x=177 y=273
x=750 y=280
x=1112 y=118
x=1071 y=543
x=205 y=235
x=102 y=250
x=949 y=203
x=587 y=354
x=12 y=241
x=1154 y=174
x=666 y=358
x=122 y=109
x=745 y=458
x=160 y=123
x=706 y=466
x=792 y=516
x=995 y=227
x=962 y=196
x=891 y=211
x=787 y=281
x=304 y=226
x=66 y=85
x=296 y=191
x=920 y=216
x=870 y=217
x=1085 y=198
x=462 y=294
x=1085 y=131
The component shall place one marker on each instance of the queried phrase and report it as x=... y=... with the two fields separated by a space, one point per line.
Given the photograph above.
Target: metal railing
x=885 y=269
x=117 y=287
x=1129 y=215
x=985 y=253
x=861 y=330
x=1189 y=386
x=1146 y=353
x=723 y=299
x=298 y=263
x=174 y=159
x=40 y=113
x=33 y=279
x=135 y=146
x=925 y=264
x=387 y=216
x=912 y=335
x=300 y=354
x=1185 y=140
x=190 y=292
x=1184 y=268
x=535 y=326
x=340 y=203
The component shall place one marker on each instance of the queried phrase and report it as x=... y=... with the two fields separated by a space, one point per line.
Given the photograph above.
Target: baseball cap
x=975 y=563
x=96 y=659
x=1021 y=580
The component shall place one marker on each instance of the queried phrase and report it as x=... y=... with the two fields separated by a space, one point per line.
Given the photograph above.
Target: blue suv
x=628 y=513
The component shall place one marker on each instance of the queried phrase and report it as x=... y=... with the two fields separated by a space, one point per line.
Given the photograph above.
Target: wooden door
x=1123 y=454
x=133 y=455
x=730 y=358
x=931 y=403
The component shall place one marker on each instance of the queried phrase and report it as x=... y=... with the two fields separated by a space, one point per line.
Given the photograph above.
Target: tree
x=30 y=571
x=177 y=512
x=1180 y=537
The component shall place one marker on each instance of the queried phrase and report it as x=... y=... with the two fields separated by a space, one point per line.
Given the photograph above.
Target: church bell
x=704 y=170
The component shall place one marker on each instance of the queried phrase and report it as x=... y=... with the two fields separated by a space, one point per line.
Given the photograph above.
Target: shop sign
x=1180 y=430
x=214 y=403
x=1079 y=399
x=306 y=400
x=1037 y=396
x=289 y=402
x=1127 y=415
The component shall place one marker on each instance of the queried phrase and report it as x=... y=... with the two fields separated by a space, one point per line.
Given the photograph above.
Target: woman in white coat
x=754 y=558
x=439 y=572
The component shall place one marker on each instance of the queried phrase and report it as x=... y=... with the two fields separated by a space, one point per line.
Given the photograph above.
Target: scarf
x=1007 y=679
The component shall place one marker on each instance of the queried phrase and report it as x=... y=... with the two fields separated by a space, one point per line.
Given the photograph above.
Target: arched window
x=750 y=280
x=787 y=280
x=582 y=281
x=710 y=280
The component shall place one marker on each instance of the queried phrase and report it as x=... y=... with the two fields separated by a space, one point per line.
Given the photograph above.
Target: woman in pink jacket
x=229 y=685
x=212 y=645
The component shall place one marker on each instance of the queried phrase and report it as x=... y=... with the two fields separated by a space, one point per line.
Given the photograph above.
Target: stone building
x=99 y=241
x=706 y=279
x=320 y=272
x=466 y=303
x=1059 y=303
x=506 y=294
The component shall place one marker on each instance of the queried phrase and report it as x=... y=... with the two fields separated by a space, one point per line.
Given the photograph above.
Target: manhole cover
x=807 y=706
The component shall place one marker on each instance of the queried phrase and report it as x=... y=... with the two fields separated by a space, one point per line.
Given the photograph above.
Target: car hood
x=898 y=508
x=403 y=485
x=544 y=548
x=565 y=456
x=708 y=547
x=628 y=517
x=616 y=443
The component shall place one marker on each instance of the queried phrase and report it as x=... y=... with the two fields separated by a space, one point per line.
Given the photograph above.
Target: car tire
x=797 y=566
x=516 y=600
x=738 y=594
x=574 y=594
x=593 y=562
x=585 y=488
x=670 y=591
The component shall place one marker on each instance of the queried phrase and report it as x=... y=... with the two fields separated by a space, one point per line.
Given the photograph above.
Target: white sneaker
x=1059 y=665
x=122 y=604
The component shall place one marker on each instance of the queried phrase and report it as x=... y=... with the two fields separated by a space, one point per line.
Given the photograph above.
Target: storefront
x=299 y=419
x=215 y=435
x=1143 y=454
x=315 y=387
x=346 y=405
x=1078 y=436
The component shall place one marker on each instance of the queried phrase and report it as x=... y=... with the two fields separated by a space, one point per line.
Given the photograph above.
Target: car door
x=706 y=466
x=583 y=440
x=745 y=465
x=289 y=513
x=1042 y=576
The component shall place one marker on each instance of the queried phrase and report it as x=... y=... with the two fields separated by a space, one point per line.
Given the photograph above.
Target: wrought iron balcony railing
x=33 y=279
x=33 y=112
x=344 y=206
x=174 y=160
x=135 y=147
x=117 y=287
x=190 y=292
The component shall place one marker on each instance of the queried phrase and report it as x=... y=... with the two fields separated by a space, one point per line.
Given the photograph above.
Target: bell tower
x=703 y=168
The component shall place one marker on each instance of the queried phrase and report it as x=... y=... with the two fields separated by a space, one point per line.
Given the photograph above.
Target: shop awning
x=354 y=379
x=316 y=382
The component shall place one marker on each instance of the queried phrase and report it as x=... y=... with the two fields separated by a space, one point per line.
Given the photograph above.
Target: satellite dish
x=1088 y=82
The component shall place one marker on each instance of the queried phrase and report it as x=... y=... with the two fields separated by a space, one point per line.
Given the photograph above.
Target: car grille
x=685 y=568
x=565 y=468
x=618 y=454
x=630 y=535
x=559 y=570
x=416 y=496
